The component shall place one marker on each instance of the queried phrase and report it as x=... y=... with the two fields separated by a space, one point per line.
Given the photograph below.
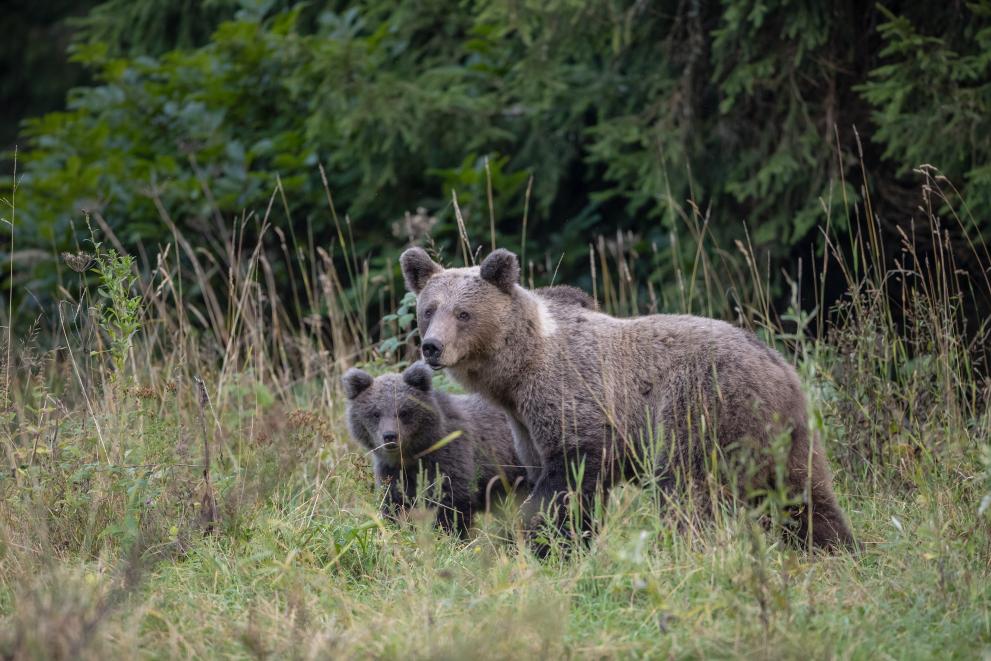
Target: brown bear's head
x=394 y=415
x=461 y=312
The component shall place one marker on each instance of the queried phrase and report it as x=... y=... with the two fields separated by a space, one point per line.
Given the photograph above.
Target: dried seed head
x=414 y=227
x=78 y=262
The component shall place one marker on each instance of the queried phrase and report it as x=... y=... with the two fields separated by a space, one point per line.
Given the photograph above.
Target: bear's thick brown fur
x=567 y=294
x=588 y=392
x=398 y=418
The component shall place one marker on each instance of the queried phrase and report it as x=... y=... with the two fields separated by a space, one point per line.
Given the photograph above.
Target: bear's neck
x=516 y=361
x=440 y=404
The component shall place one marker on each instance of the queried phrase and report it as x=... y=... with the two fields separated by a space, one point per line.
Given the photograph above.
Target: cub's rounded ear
x=419 y=376
x=417 y=268
x=502 y=269
x=355 y=382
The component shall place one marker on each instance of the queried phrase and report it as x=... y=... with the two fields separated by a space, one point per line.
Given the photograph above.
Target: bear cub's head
x=461 y=312
x=395 y=416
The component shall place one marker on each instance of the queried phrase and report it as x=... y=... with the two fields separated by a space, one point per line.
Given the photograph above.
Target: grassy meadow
x=178 y=482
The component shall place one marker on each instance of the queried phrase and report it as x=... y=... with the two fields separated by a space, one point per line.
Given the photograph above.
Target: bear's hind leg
x=820 y=521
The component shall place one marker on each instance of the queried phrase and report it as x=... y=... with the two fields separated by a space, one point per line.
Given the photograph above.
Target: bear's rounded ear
x=417 y=268
x=502 y=269
x=355 y=382
x=419 y=376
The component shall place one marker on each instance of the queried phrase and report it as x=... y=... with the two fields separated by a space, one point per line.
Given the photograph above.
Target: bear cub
x=399 y=418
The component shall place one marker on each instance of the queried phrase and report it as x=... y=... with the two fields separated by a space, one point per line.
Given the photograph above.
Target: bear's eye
x=429 y=312
x=405 y=416
x=374 y=415
x=463 y=316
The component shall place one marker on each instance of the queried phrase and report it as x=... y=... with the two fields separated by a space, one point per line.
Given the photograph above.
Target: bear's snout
x=390 y=440
x=431 y=350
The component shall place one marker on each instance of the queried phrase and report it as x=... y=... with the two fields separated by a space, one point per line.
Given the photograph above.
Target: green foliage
x=618 y=110
x=931 y=101
x=403 y=319
x=120 y=311
x=152 y=27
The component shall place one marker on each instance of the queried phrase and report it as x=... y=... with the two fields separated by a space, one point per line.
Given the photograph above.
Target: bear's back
x=661 y=362
x=652 y=346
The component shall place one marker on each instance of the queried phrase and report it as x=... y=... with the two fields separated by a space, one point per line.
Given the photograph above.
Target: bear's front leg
x=564 y=496
x=392 y=480
x=454 y=511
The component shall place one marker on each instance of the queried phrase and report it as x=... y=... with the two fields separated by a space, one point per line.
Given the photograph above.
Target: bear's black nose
x=431 y=350
x=389 y=439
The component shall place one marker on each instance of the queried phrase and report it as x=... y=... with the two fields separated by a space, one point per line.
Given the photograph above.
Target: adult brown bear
x=585 y=391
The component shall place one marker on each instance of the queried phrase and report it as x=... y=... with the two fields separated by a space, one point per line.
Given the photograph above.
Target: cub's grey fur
x=399 y=417
x=585 y=388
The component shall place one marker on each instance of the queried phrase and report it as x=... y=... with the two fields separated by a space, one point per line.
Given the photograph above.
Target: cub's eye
x=405 y=416
x=429 y=312
x=463 y=316
x=375 y=415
